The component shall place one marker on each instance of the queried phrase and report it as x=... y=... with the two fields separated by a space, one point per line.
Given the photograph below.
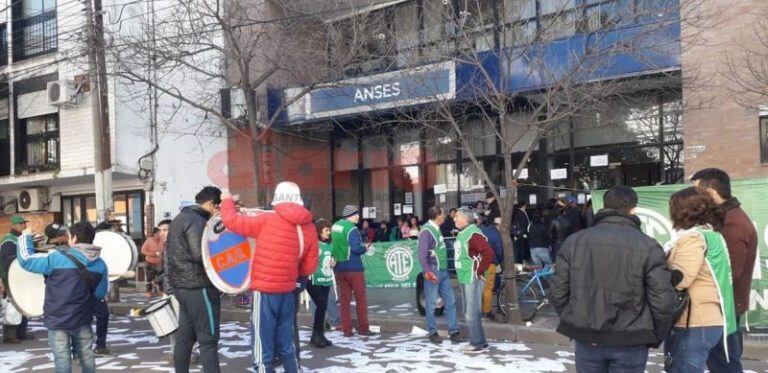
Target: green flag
x=392 y=264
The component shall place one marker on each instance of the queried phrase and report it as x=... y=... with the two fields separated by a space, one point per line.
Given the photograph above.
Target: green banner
x=392 y=264
x=653 y=211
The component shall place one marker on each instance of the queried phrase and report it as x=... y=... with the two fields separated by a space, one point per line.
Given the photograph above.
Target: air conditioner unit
x=61 y=93
x=33 y=199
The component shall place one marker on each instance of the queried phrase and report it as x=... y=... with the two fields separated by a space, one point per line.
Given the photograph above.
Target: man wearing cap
x=58 y=237
x=284 y=258
x=347 y=249
x=473 y=256
x=12 y=333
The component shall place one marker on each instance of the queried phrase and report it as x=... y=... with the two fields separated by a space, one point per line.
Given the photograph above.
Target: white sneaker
x=469 y=349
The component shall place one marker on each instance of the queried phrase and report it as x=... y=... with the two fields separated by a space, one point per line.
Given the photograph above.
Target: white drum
x=162 y=316
x=118 y=251
x=27 y=290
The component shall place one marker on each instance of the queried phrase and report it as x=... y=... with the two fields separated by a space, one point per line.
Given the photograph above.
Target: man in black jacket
x=612 y=289
x=199 y=301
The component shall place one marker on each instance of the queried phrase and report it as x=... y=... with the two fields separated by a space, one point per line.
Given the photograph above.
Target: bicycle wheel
x=501 y=307
x=528 y=298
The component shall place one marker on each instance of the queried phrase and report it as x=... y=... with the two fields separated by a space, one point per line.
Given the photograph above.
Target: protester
x=519 y=231
x=382 y=234
x=480 y=208
x=491 y=232
x=367 y=232
x=12 y=333
x=101 y=313
x=199 y=300
x=612 y=289
x=473 y=257
x=448 y=228
x=285 y=256
x=320 y=284
x=347 y=251
x=397 y=231
x=572 y=212
x=433 y=257
x=560 y=228
x=58 y=237
x=493 y=212
x=741 y=239
x=538 y=236
x=699 y=257
x=405 y=229
x=75 y=279
x=587 y=215
x=415 y=228
x=153 y=250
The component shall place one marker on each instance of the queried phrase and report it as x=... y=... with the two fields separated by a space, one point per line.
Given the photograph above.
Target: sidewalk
x=394 y=310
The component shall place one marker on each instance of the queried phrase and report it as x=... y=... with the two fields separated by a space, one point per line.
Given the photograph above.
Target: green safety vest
x=720 y=265
x=323 y=276
x=9 y=237
x=439 y=251
x=340 y=239
x=466 y=266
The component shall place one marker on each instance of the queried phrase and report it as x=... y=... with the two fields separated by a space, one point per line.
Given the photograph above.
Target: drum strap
x=87 y=276
x=301 y=241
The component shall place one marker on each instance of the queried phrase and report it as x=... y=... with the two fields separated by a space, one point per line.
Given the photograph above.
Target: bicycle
x=531 y=293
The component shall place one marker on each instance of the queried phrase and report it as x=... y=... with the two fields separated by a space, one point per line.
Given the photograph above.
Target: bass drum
x=227 y=256
x=27 y=290
x=118 y=251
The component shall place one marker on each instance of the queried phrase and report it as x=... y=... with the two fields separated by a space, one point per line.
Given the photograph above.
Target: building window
x=128 y=207
x=3 y=44
x=764 y=139
x=34 y=28
x=39 y=144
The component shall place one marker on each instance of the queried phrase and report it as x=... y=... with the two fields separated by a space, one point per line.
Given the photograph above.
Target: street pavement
x=136 y=349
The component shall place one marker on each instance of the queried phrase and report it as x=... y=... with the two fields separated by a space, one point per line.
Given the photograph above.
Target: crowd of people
x=616 y=290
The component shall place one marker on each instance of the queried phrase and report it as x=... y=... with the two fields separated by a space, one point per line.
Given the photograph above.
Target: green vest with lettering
x=465 y=264
x=439 y=251
x=323 y=276
x=340 y=239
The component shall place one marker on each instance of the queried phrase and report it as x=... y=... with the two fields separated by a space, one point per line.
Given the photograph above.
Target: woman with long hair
x=699 y=260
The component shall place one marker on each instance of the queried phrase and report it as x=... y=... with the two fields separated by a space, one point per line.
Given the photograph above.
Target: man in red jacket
x=741 y=237
x=285 y=256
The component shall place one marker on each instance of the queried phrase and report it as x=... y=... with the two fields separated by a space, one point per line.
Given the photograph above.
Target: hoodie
x=69 y=298
x=280 y=258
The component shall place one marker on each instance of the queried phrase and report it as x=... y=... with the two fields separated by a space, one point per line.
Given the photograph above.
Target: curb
x=753 y=350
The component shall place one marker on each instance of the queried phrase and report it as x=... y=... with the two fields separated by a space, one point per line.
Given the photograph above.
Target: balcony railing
x=35 y=35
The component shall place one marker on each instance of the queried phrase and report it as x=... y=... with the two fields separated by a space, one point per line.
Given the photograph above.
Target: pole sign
x=653 y=211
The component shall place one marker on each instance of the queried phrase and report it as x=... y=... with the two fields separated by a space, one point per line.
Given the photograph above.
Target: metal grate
x=35 y=35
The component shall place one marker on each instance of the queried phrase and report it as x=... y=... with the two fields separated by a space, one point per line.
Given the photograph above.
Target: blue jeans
x=540 y=256
x=717 y=361
x=332 y=312
x=102 y=322
x=473 y=300
x=62 y=343
x=687 y=351
x=272 y=319
x=610 y=359
x=443 y=288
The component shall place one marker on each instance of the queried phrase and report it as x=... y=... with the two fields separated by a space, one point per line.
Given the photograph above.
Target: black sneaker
x=102 y=351
x=367 y=333
x=456 y=338
x=435 y=338
x=490 y=316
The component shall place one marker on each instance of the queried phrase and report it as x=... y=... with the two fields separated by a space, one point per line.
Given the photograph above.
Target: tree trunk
x=506 y=208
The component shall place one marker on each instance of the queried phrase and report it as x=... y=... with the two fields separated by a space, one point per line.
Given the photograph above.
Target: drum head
x=227 y=257
x=118 y=252
x=156 y=305
x=27 y=290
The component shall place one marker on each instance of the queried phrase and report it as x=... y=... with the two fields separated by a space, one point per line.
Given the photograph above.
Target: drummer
x=67 y=313
x=10 y=243
x=58 y=237
x=101 y=312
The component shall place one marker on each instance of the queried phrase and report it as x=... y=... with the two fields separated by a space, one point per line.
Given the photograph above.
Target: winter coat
x=278 y=261
x=611 y=285
x=494 y=239
x=153 y=249
x=741 y=237
x=538 y=235
x=69 y=299
x=559 y=230
x=184 y=257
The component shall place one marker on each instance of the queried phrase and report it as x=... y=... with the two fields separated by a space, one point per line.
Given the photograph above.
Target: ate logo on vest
x=399 y=261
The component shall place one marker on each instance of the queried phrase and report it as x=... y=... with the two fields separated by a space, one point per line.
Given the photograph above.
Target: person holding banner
x=741 y=238
x=433 y=257
x=473 y=256
x=75 y=279
x=8 y=248
x=347 y=250
x=284 y=257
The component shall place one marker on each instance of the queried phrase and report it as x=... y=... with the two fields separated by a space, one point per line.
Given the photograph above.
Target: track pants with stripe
x=199 y=311
x=272 y=327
